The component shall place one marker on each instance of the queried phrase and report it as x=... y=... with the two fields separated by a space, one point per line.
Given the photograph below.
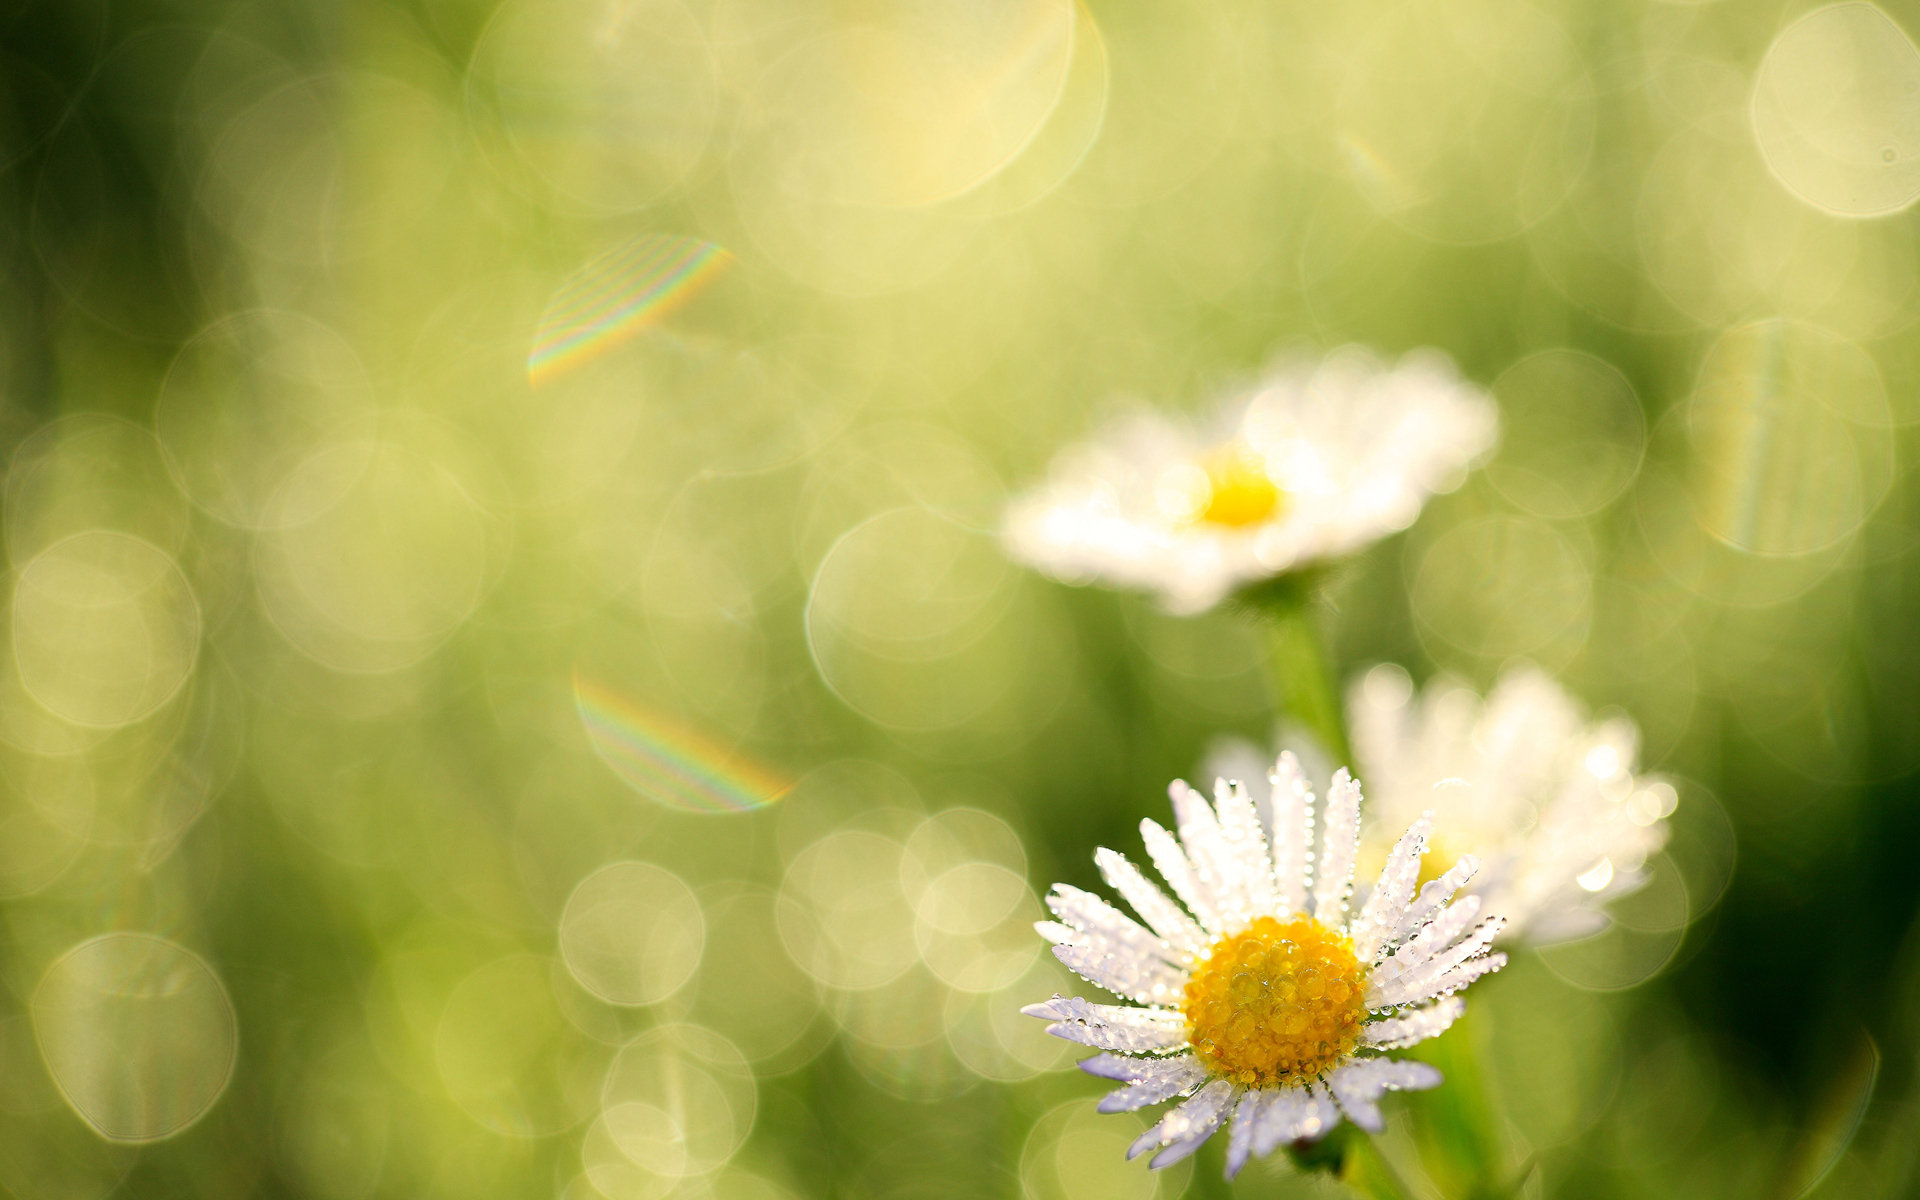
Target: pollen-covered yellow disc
x=1240 y=492
x=1278 y=1002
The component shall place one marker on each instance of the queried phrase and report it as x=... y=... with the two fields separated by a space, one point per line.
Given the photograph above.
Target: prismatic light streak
x=617 y=295
x=668 y=762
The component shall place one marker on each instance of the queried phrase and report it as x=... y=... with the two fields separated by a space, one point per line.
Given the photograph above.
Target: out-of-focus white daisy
x=1263 y=1001
x=1547 y=799
x=1316 y=460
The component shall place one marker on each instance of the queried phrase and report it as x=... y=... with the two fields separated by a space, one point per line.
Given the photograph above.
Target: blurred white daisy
x=1263 y=1002
x=1315 y=461
x=1547 y=799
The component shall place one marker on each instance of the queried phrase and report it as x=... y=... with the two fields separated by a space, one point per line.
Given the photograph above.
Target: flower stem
x=1350 y=1155
x=1368 y=1172
x=1458 y=1129
x=1303 y=677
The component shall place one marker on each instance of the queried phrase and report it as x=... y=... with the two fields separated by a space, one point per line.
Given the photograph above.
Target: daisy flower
x=1259 y=999
x=1315 y=461
x=1547 y=799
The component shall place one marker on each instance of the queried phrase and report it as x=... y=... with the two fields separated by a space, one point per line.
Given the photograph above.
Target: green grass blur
x=329 y=866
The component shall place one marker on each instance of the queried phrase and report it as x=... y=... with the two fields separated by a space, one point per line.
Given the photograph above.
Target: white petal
x=1240 y=826
x=1390 y=976
x=1359 y=1085
x=1434 y=896
x=1333 y=880
x=1453 y=980
x=1142 y=980
x=1216 y=874
x=1392 y=893
x=1419 y=982
x=1183 y=1130
x=1443 y=931
x=1240 y=1136
x=1542 y=792
x=1055 y=933
x=1167 y=1078
x=1362 y=443
x=1104 y=925
x=1111 y=1026
x=1322 y=1116
x=1292 y=833
x=1145 y=1142
x=1165 y=917
x=1417 y=1026
x=1565 y=925
x=1280 y=1110
x=1290 y=1115
x=1263 y=1102
x=1129 y=1068
x=1171 y=861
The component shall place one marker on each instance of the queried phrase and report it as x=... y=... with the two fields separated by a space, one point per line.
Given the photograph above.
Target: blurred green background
x=366 y=617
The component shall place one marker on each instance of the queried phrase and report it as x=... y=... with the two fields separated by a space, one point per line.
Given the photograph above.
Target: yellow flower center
x=1278 y=1002
x=1239 y=490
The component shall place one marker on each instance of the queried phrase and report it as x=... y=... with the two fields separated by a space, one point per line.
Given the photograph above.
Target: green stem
x=1369 y=1173
x=1458 y=1130
x=1303 y=680
x=1350 y=1155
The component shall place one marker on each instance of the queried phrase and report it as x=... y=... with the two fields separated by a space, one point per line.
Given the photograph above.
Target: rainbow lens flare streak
x=666 y=761
x=617 y=295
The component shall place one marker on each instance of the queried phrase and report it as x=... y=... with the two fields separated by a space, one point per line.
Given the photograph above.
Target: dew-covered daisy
x=1258 y=998
x=1314 y=461
x=1546 y=798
